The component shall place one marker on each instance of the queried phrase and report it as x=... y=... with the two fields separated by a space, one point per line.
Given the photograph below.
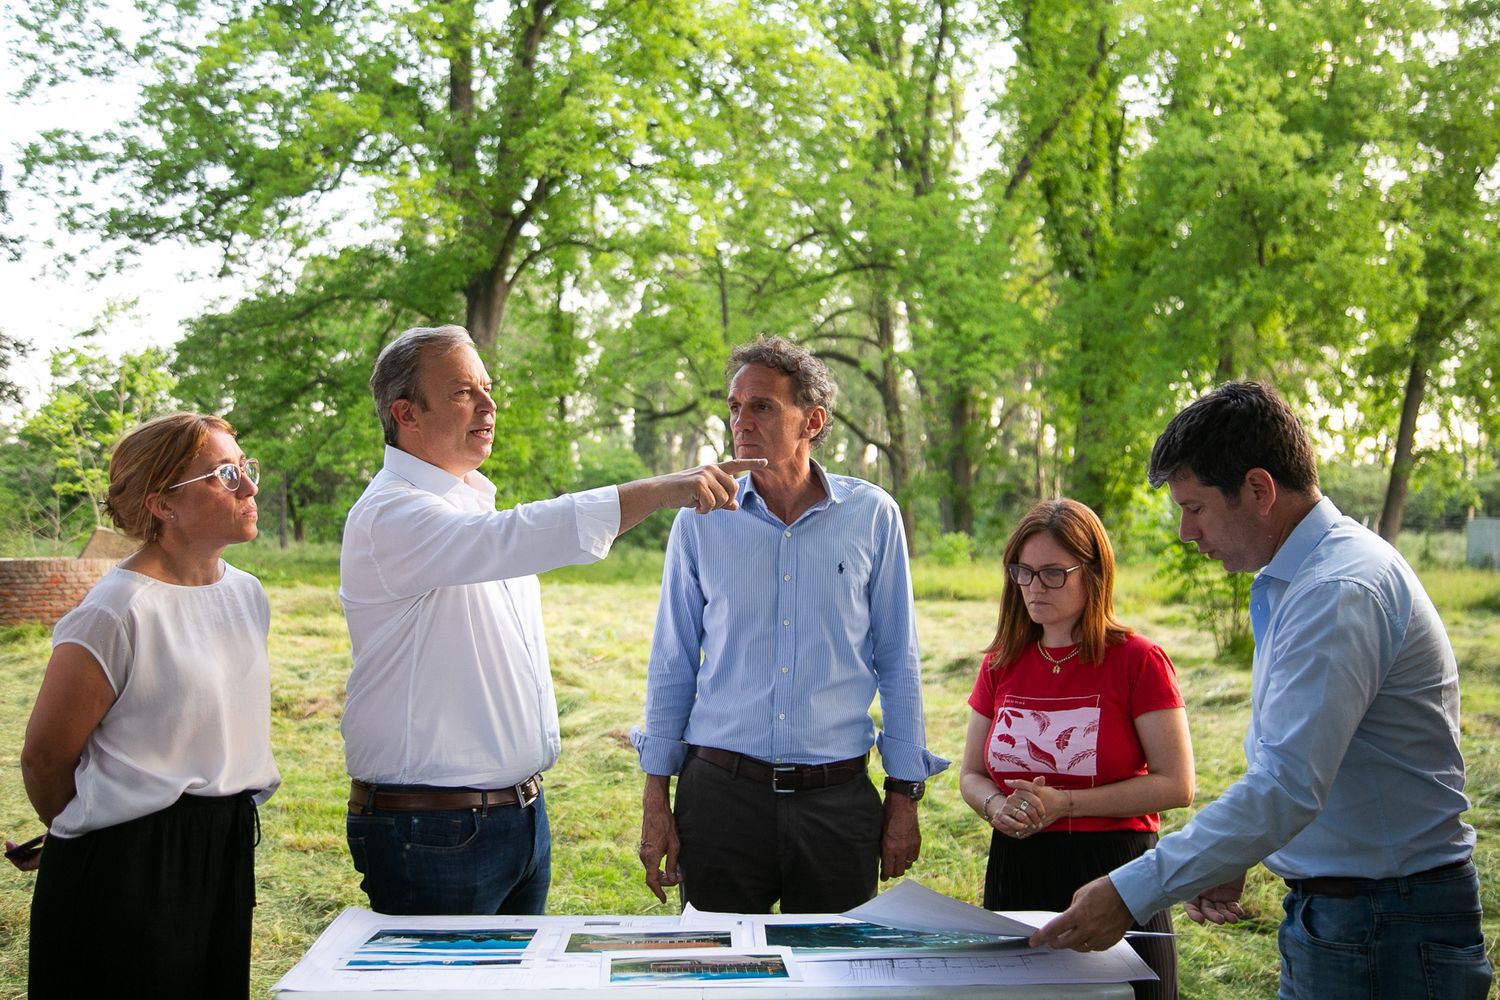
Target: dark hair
x=812 y=385
x=398 y=369
x=1235 y=428
x=1076 y=528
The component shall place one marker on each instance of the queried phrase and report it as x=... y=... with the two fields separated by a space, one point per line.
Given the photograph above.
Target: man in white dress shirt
x=450 y=716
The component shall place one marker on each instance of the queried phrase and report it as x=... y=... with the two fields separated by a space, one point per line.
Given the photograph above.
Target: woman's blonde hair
x=147 y=460
x=1076 y=528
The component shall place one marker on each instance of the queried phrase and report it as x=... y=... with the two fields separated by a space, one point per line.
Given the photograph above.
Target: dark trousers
x=457 y=861
x=158 y=906
x=745 y=846
x=1043 y=871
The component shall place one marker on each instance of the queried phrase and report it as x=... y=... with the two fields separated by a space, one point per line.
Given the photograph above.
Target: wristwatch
x=913 y=790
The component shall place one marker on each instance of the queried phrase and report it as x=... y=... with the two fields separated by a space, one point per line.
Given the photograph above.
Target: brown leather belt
x=782 y=777
x=365 y=797
x=1348 y=887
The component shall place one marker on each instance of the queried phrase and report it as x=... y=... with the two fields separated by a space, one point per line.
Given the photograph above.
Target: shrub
x=955 y=548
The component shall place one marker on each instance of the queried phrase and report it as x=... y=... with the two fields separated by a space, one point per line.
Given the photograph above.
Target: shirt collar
x=834 y=491
x=1303 y=539
x=425 y=476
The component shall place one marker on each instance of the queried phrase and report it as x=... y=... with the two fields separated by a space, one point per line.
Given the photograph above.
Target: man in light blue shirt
x=1354 y=787
x=777 y=628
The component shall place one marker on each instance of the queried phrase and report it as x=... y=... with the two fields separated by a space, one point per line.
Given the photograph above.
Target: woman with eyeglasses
x=149 y=748
x=1078 y=736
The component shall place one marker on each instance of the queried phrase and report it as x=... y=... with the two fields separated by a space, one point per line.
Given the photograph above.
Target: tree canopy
x=1021 y=234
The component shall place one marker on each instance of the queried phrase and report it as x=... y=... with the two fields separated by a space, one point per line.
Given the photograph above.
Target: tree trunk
x=1401 y=461
x=956 y=506
x=895 y=414
x=281 y=514
x=485 y=299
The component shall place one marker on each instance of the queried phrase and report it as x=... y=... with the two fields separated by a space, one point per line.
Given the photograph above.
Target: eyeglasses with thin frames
x=1052 y=577
x=229 y=475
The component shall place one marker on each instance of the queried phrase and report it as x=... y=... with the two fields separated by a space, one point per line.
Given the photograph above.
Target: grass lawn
x=599 y=625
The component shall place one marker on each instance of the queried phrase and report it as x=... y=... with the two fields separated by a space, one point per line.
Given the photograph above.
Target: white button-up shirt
x=451 y=684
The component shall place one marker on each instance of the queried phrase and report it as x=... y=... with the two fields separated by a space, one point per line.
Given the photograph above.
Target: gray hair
x=812 y=384
x=399 y=367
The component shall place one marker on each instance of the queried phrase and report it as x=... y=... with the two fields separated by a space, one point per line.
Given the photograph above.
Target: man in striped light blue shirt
x=778 y=625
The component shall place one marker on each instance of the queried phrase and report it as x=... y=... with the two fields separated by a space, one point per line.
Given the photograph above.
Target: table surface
x=1063 y=991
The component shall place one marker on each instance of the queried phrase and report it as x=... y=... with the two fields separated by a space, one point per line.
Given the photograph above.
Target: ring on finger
x=1024 y=806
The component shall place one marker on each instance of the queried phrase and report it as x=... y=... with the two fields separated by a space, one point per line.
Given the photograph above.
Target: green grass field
x=599 y=625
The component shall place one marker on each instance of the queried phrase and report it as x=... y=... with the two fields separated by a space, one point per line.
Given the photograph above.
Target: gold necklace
x=1056 y=662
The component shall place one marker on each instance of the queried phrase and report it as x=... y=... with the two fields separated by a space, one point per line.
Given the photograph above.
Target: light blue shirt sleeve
x=676 y=650
x=1352 y=750
x=897 y=661
x=1322 y=676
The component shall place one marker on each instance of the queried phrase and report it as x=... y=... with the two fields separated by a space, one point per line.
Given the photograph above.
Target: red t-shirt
x=1076 y=726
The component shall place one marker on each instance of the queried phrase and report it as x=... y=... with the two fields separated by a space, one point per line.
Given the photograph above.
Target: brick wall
x=43 y=590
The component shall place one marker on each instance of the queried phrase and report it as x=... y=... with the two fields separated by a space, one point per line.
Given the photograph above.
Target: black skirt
x=158 y=906
x=1043 y=871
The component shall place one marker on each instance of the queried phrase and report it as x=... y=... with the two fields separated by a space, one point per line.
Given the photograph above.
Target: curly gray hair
x=811 y=382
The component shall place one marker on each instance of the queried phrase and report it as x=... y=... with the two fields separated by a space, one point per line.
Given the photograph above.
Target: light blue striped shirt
x=1353 y=760
x=773 y=639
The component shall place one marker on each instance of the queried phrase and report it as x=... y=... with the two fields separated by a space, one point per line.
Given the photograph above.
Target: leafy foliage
x=1021 y=234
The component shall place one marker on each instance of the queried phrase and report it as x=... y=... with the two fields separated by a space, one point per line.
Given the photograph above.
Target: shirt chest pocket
x=845 y=581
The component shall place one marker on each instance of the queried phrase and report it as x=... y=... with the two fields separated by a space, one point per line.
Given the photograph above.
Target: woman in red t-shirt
x=1078 y=735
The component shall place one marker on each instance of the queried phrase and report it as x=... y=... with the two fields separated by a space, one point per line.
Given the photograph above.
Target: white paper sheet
x=1017 y=968
x=913 y=906
x=325 y=966
x=874 y=941
x=545 y=965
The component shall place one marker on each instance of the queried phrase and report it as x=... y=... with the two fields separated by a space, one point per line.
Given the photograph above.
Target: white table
x=1078 y=991
x=551 y=971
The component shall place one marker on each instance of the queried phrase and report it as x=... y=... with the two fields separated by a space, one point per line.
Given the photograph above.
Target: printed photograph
x=406 y=949
x=589 y=943
x=694 y=968
x=864 y=937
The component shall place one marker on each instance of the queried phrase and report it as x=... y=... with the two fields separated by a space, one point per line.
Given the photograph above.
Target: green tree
x=67 y=442
x=472 y=143
x=1452 y=218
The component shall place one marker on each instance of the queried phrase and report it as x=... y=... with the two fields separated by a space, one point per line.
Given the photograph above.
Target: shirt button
x=786 y=623
x=781 y=716
x=786 y=576
x=788 y=532
x=785 y=669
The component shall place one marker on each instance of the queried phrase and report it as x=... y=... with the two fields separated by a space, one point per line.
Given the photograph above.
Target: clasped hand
x=1031 y=806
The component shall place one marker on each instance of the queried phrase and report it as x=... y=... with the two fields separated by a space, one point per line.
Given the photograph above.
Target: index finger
x=653 y=882
x=1049 y=932
x=735 y=466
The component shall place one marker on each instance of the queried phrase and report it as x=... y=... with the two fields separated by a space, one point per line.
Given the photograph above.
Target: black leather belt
x=782 y=777
x=364 y=797
x=1348 y=887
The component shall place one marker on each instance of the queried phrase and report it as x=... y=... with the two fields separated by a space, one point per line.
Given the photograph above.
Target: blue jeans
x=453 y=861
x=1405 y=938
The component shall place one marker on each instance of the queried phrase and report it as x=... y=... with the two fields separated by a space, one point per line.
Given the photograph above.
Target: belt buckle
x=534 y=783
x=776 y=773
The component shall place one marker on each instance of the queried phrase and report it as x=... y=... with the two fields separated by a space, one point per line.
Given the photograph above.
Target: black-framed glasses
x=1052 y=577
x=229 y=475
